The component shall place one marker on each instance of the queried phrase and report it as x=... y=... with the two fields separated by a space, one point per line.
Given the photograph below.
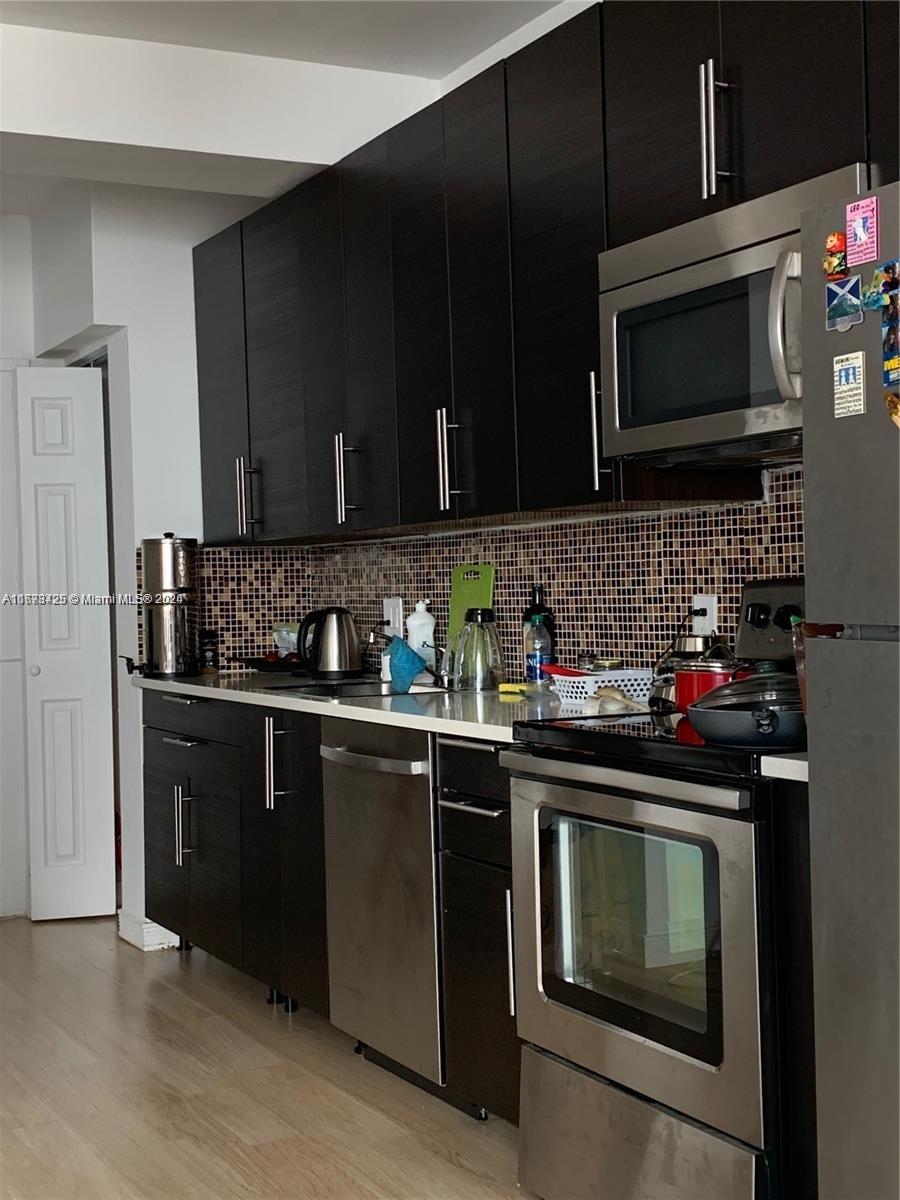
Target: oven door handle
x=560 y=771
x=787 y=268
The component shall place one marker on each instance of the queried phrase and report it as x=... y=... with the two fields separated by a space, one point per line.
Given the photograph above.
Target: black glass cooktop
x=665 y=739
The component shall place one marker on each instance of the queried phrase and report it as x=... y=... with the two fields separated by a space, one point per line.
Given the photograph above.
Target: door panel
x=482 y=1048
x=795 y=112
x=68 y=691
x=274 y=370
x=322 y=340
x=261 y=878
x=478 y=256
x=555 y=120
x=651 y=56
x=371 y=470
x=221 y=381
x=166 y=884
x=213 y=835
x=421 y=306
x=882 y=52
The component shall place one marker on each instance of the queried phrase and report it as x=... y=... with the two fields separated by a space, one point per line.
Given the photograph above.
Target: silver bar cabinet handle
x=339 y=477
x=370 y=762
x=510 y=970
x=179 y=860
x=180 y=699
x=241 y=496
x=595 y=434
x=440 y=457
x=269 y=762
x=472 y=810
x=704 y=137
x=183 y=742
x=787 y=267
x=711 y=124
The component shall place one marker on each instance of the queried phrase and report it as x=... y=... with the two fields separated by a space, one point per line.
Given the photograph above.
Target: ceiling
x=428 y=38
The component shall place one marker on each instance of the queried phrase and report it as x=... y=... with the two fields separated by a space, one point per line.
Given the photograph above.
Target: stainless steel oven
x=700 y=331
x=636 y=934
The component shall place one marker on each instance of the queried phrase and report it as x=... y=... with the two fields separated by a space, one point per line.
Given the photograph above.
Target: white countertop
x=480 y=716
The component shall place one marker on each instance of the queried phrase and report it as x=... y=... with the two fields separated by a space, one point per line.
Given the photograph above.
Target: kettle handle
x=308 y=622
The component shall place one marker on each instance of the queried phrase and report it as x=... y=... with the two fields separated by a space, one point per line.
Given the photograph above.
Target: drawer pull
x=369 y=762
x=472 y=810
x=462 y=744
x=179 y=699
x=185 y=743
x=510 y=969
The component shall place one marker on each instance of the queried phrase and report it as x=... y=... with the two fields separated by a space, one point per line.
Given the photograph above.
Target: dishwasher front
x=381 y=891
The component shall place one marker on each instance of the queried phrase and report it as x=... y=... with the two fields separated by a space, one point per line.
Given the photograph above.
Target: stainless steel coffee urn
x=170 y=605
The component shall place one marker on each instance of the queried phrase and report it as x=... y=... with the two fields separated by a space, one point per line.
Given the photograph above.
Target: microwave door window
x=631 y=930
x=695 y=355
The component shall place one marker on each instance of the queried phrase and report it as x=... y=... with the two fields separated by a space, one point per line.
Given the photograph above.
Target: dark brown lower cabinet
x=482 y=1049
x=234 y=841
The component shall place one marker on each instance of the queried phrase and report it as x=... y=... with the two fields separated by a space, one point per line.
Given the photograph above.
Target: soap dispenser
x=420 y=632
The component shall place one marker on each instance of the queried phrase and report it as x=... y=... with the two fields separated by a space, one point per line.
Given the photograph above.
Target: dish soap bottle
x=537 y=606
x=538 y=650
x=420 y=632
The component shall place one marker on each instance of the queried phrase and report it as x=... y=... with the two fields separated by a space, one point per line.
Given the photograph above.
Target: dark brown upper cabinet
x=483 y=444
x=882 y=54
x=222 y=384
x=322 y=353
x=556 y=177
x=421 y=315
x=370 y=487
x=793 y=108
x=652 y=57
x=272 y=297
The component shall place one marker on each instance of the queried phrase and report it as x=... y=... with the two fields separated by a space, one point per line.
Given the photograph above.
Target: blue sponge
x=405 y=664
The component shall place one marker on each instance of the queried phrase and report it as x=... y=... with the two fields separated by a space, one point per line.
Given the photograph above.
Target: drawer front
x=219 y=720
x=475 y=828
x=189 y=757
x=472 y=768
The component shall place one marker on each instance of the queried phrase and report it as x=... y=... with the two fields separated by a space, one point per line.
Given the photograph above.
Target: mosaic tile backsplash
x=619 y=583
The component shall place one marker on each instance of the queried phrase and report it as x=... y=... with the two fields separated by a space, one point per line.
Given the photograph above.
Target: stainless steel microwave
x=700 y=331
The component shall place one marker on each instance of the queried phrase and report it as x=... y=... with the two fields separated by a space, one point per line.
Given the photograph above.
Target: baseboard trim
x=144 y=934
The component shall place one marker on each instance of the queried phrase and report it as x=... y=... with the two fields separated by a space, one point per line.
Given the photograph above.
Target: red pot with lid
x=695 y=679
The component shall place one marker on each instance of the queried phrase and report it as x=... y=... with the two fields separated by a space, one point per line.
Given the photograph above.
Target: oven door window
x=695 y=355
x=631 y=929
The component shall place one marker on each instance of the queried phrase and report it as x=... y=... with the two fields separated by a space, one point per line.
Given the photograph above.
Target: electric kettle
x=328 y=644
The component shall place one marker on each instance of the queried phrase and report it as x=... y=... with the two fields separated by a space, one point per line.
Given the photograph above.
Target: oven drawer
x=580 y=1138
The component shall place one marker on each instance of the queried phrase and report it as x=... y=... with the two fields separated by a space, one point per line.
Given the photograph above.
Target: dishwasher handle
x=371 y=762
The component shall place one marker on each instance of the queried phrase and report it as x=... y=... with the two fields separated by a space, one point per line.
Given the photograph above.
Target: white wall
x=104 y=89
x=16 y=346
x=61 y=247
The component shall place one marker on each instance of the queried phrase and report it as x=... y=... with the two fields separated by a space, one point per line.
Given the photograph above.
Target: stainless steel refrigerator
x=852 y=528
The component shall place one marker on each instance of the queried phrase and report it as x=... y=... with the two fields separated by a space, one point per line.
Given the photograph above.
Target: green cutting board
x=471 y=586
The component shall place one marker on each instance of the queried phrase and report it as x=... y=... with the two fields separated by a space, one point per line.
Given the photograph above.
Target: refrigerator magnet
x=843 y=303
x=892 y=404
x=834 y=262
x=850 y=384
x=862 y=231
x=890 y=353
x=885 y=281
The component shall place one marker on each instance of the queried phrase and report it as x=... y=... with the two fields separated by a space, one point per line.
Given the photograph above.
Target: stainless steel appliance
x=700 y=332
x=381 y=891
x=852 y=528
x=170 y=607
x=684 y=648
x=328 y=644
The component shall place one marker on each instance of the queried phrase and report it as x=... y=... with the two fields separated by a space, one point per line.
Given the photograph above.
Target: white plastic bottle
x=420 y=632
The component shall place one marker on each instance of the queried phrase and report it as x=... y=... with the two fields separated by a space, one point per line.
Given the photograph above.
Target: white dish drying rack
x=575 y=689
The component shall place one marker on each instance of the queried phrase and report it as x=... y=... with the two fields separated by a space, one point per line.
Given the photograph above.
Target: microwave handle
x=787 y=267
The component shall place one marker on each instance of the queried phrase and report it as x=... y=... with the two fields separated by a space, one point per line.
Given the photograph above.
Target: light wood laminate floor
x=167 y=1077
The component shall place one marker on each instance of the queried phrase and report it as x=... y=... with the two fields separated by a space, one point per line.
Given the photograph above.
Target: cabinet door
x=797 y=106
x=322 y=342
x=652 y=54
x=221 y=383
x=261 y=819
x=478 y=258
x=555 y=119
x=882 y=53
x=421 y=307
x=212 y=833
x=370 y=471
x=481 y=1043
x=167 y=888
x=304 y=953
x=274 y=369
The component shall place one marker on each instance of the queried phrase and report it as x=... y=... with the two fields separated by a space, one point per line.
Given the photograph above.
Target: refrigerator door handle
x=784 y=351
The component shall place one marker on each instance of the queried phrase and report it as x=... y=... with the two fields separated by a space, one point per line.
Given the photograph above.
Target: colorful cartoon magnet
x=890 y=351
x=862 y=231
x=885 y=280
x=834 y=264
x=843 y=304
x=892 y=404
x=850 y=384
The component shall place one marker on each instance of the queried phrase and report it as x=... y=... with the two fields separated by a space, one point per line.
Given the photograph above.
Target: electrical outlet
x=392 y=611
x=709 y=623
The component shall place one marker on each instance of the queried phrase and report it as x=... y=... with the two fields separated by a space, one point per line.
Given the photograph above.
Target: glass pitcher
x=478 y=662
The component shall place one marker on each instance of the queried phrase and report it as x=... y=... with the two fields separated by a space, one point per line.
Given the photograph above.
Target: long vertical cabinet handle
x=448 y=490
x=713 y=85
x=339 y=478
x=704 y=136
x=595 y=435
x=241 y=497
x=269 y=789
x=439 y=424
x=510 y=970
x=179 y=846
